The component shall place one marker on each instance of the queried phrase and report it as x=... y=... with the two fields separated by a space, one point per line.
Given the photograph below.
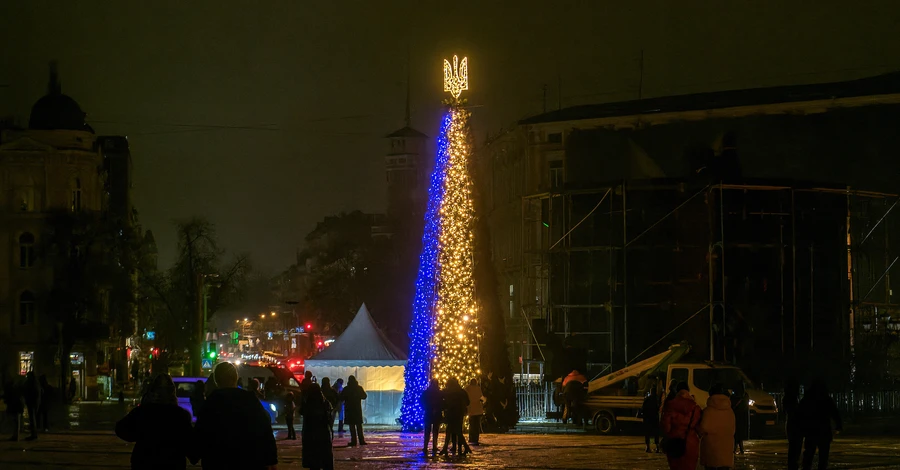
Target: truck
x=618 y=397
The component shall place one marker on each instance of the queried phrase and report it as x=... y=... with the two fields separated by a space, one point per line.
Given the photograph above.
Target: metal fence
x=535 y=400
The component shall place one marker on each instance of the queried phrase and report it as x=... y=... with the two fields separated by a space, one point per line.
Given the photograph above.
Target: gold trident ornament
x=456 y=76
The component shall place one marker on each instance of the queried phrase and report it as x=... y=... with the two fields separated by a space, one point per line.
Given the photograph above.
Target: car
x=185 y=386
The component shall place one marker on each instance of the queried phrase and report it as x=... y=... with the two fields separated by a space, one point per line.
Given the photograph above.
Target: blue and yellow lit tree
x=444 y=334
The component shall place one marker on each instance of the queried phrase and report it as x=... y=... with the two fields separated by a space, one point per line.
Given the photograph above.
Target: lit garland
x=455 y=338
x=444 y=333
x=419 y=361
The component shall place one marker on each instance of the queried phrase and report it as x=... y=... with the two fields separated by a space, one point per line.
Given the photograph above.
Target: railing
x=534 y=400
x=861 y=403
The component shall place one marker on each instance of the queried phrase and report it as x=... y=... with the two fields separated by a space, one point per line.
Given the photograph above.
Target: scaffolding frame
x=552 y=222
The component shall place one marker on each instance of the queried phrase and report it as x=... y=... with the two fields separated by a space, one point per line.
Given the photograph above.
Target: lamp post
x=202 y=305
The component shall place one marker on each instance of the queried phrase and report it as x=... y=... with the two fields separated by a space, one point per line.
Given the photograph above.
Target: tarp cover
x=365 y=352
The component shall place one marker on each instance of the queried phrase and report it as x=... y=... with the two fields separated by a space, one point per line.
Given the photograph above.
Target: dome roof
x=56 y=110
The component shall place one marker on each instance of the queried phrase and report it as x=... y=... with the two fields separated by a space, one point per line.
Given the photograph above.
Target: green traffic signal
x=212 y=354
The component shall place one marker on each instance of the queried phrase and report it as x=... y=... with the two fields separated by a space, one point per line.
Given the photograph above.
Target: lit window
x=76 y=195
x=26 y=308
x=26 y=250
x=26 y=359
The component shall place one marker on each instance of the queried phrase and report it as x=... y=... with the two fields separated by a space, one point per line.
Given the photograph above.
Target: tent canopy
x=365 y=352
x=362 y=341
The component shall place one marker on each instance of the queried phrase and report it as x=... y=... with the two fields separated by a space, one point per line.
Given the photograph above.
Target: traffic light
x=308 y=326
x=213 y=355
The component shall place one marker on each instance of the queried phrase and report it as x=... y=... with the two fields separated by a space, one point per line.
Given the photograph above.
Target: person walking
x=160 y=429
x=740 y=403
x=432 y=406
x=339 y=387
x=31 y=391
x=331 y=396
x=73 y=390
x=650 y=414
x=289 y=410
x=456 y=402
x=475 y=410
x=680 y=418
x=198 y=397
x=789 y=404
x=317 y=450
x=241 y=415
x=352 y=396
x=12 y=396
x=816 y=412
x=717 y=426
x=48 y=396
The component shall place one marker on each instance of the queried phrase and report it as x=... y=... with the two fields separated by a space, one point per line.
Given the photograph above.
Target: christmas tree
x=444 y=335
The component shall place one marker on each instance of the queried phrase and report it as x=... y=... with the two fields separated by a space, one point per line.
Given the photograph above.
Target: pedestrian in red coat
x=680 y=419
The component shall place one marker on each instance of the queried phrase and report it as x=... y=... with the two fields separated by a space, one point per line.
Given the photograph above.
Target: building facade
x=52 y=171
x=614 y=225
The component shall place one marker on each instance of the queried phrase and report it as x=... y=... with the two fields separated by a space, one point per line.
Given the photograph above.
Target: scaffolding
x=760 y=273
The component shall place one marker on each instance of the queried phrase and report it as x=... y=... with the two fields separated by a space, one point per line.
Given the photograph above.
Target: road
x=88 y=444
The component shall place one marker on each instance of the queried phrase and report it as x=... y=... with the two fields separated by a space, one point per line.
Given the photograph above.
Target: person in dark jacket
x=289 y=409
x=331 y=396
x=48 y=395
x=31 y=391
x=316 y=437
x=339 y=387
x=160 y=429
x=815 y=414
x=198 y=397
x=432 y=405
x=789 y=404
x=254 y=388
x=239 y=413
x=352 y=396
x=740 y=404
x=456 y=401
x=650 y=414
x=12 y=396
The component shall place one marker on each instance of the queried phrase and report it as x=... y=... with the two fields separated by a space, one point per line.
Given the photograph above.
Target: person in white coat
x=716 y=429
x=475 y=411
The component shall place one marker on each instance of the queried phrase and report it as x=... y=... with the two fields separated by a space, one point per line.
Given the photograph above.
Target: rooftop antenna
x=641 y=79
x=545 y=97
x=408 y=84
x=54 y=87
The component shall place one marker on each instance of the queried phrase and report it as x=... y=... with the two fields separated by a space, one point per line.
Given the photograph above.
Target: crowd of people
x=165 y=438
x=451 y=406
x=35 y=396
x=714 y=435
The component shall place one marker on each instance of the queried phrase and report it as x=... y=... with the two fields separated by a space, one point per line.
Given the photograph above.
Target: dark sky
x=319 y=83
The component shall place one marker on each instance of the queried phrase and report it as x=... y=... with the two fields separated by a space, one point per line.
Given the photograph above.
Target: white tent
x=365 y=352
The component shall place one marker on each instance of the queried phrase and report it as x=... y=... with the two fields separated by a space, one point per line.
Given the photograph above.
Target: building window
x=26 y=250
x=556 y=174
x=76 y=195
x=26 y=359
x=555 y=138
x=26 y=308
x=25 y=199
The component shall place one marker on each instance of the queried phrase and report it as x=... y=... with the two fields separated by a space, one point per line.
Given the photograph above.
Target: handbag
x=675 y=447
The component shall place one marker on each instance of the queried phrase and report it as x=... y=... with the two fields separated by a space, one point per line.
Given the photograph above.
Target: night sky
x=267 y=118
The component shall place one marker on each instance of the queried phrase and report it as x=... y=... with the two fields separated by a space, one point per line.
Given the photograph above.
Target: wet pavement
x=84 y=441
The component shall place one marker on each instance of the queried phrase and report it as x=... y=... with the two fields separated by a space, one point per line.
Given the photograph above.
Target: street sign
x=206 y=364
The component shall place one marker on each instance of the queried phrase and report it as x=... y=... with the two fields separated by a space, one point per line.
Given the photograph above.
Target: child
x=289 y=409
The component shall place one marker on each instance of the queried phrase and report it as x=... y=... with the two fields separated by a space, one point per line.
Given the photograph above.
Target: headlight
x=272 y=407
x=751 y=402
